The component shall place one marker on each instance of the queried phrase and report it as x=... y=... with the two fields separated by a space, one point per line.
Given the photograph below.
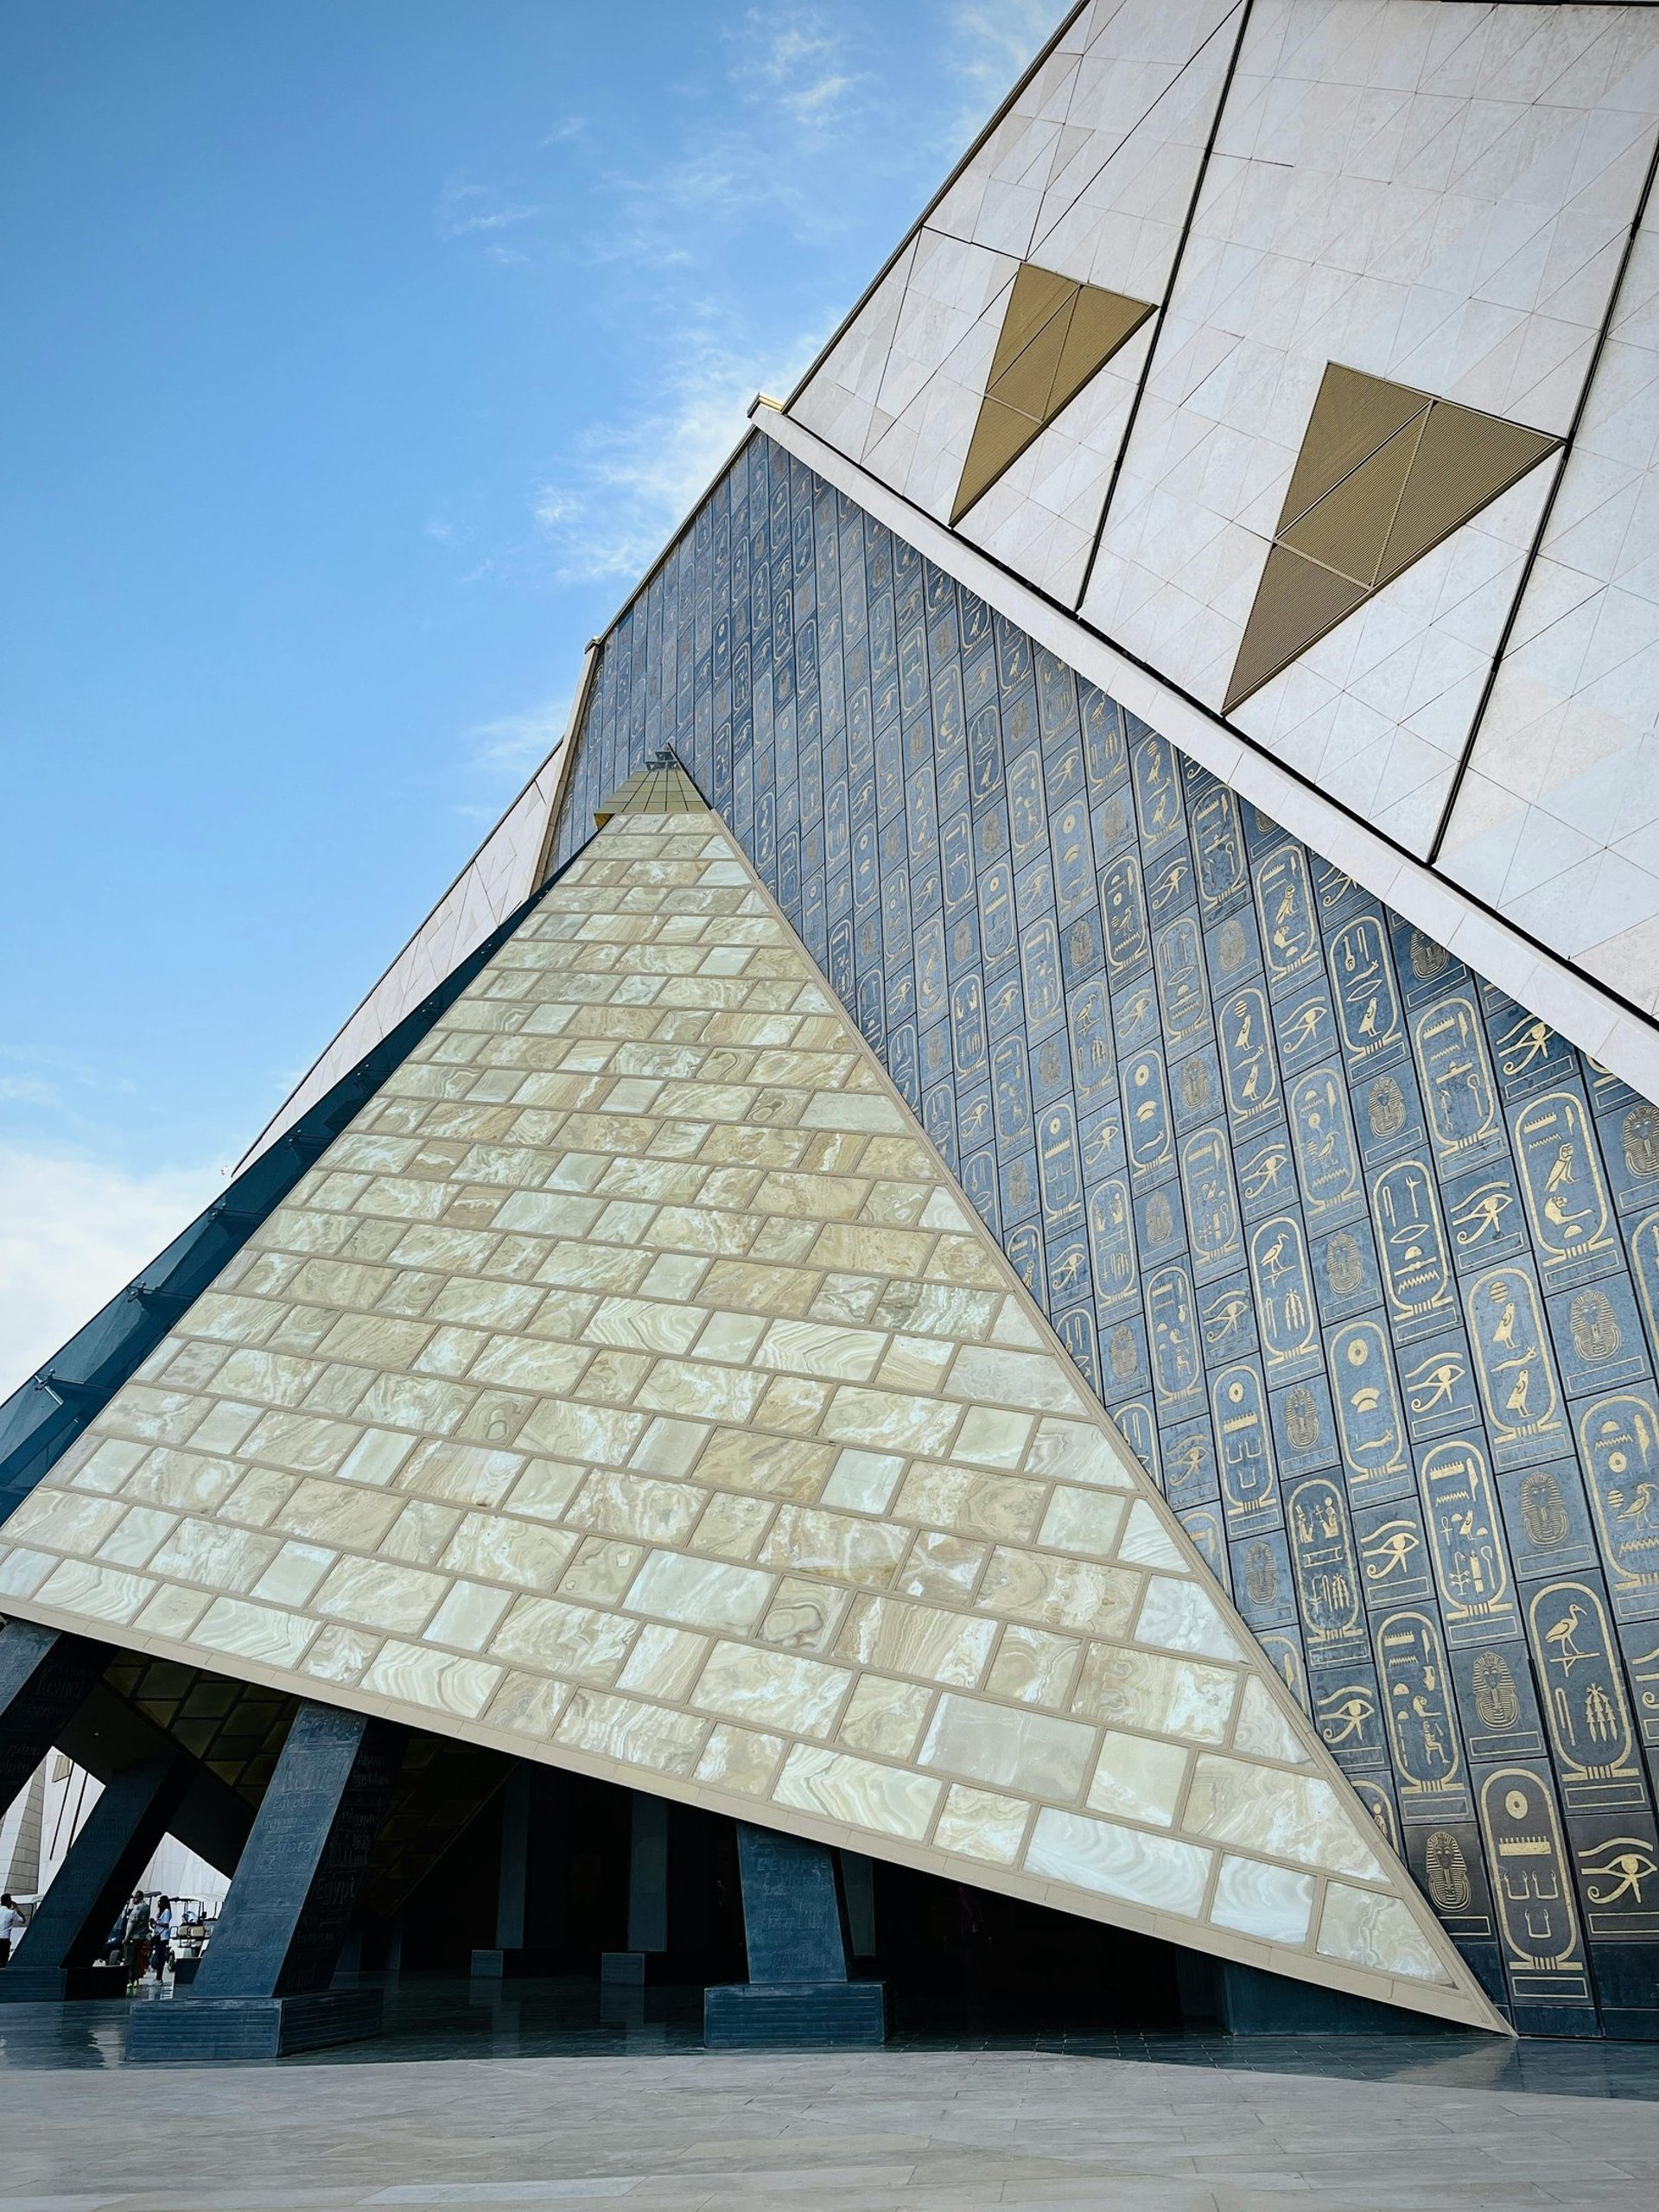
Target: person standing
x=12 y=1925
x=161 y=1936
x=134 y=1939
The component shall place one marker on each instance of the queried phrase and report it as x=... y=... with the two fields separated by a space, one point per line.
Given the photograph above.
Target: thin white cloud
x=992 y=44
x=465 y=208
x=501 y=755
x=73 y=1231
x=796 y=61
x=630 y=480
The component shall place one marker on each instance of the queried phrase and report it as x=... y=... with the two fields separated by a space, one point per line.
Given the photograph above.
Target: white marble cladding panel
x=1438 y=195
x=1555 y=822
x=1089 y=174
x=630 y=1387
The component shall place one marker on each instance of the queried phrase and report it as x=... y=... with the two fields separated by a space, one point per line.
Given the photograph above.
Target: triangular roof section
x=629 y=1388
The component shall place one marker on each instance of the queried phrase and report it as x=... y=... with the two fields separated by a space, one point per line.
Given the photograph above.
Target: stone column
x=647 y=1894
x=46 y=1677
x=117 y=1839
x=264 y=1989
x=509 y=1956
x=795 y=1927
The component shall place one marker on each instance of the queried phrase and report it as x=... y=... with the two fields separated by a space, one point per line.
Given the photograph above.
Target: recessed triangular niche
x=1055 y=334
x=1384 y=474
x=629 y=1388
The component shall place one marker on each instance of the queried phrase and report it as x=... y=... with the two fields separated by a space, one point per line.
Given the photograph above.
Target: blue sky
x=358 y=358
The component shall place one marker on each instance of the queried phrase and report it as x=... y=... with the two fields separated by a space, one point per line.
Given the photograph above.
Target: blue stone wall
x=1364 y=1258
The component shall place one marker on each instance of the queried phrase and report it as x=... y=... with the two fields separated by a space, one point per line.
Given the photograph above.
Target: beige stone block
x=1182 y=1617
x=627 y=1729
x=924 y=1640
x=878 y=1252
x=545 y=1488
x=772 y=1689
x=548 y=1634
x=665 y=1664
x=371 y=1340
x=1156 y=1871
x=945 y=1495
x=942 y=1568
x=616 y=1503
x=1270 y=1903
x=863 y=1481
x=378 y=1594
x=341 y=1655
x=260 y=1497
x=460 y=1474
x=1082 y=1520
x=733 y=1528
x=232 y=1320
x=504 y=1550
x=244 y=1630
x=884 y=1716
x=765 y=1466
x=744 y=1287
x=22 y=1572
x=502 y=1306
x=329 y=1513
x=1060 y=1593
x=269 y=1378
x=1171 y=1697
x=468 y=1616
x=933 y=1310
x=602 y=1570
x=889 y=1420
x=705 y=1392
x=533 y=1363
x=107 y=1465
x=425 y=1403
x=1033 y=1667
x=963 y=1259
x=223 y=1427
x=1009 y=1747
x=816 y=1542
x=1263 y=1731
x=846 y=1298
x=991 y=1437
x=294 y=1573
x=803 y=1614
x=376 y=1456
x=209 y=1552
x=1364 y=1930
x=793 y=1404
x=103 y=1593
x=432 y=1680
x=592 y=1267
x=741 y=1759
x=1145 y=1543
x=304 y=1444
x=1035 y=1381
x=528 y=1705
x=1067 y=1451
x=644 y=1325
x=1293 y=1816
x=65 y=1521
x=887 y=1799
x=598 y=1433
x=700 y=1592
x=419 y=1534
x=1139 y=1778
x=173 y=1612
x=980 y=1824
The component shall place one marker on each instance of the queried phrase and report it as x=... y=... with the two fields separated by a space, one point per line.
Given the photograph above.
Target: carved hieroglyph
x=631 y=1388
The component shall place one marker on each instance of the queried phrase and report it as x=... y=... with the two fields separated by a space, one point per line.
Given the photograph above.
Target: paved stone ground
x=871 y=2132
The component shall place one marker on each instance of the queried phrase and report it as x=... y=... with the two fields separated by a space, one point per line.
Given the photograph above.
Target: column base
x=203 y=2030
x=760 y=2015
x=630 y=1969
x=61 y=1985
x=511 y=1965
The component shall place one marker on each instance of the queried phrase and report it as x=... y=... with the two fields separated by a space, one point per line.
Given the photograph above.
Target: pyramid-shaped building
x=1006 y=1235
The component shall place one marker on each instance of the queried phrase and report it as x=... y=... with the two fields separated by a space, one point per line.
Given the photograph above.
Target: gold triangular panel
x=1056 y=334
x=1464 y=462
x=631 y=1388
x=1384 y=473
x=1353 y=416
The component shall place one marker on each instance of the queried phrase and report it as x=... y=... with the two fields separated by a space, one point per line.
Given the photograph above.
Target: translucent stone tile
x=1298 y=1817
x=1269 y=1901
x=1171 y=1697
x=742 y=1759
x=1365 y=1930
x=922 y=1640
x=1139 y=1778
x=1148 y=1870
x=415 y=1675
x=1264 y=1729
x=887 y=1799
x=773 y=1689
x=1009 y=1747
x=884 y=1716
x=700 y=1593
x=629 y=1730
x=981 y=1824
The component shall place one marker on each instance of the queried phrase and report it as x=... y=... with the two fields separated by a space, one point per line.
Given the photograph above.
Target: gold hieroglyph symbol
x=1056 y=334
x=1385 y=472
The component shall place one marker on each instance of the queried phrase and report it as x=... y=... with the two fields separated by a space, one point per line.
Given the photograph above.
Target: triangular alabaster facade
x=631 y=1388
